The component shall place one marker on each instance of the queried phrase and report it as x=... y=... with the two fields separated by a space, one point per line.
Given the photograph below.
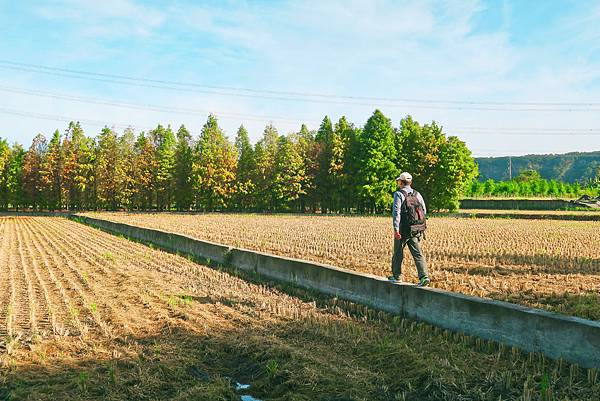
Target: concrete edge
x=558 y=336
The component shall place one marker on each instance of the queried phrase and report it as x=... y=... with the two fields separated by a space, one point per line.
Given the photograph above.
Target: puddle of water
x=249 y=398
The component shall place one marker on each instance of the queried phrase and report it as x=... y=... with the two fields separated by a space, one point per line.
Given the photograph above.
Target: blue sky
x=440 y=60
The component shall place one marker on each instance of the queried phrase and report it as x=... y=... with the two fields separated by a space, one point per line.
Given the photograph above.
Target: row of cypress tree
x=338 y=168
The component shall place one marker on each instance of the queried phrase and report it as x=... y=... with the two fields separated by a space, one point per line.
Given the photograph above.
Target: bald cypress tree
x=377 y=169
x=164 y=173
x=32 y=177
x=214 y=167
x=184 y=195
x=4 y=174
x=288 y=175
x=78 y=167
x=143 y=167
x=110 y=173
x=324 y=148
x=52 y=173
x=309 y=152
x=15 y=185
x=442 y=167
x=246 y=165
x=265 y=153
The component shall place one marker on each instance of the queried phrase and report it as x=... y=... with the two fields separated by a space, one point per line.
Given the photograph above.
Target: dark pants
x=414 y=245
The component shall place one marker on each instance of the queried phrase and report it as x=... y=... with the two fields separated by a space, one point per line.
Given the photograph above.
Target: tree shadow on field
x=279 y=363
x=585 y=305
x=332 y=360
x=510 y=264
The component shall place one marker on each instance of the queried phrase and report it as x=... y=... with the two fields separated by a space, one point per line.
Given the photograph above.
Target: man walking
x=408 y=216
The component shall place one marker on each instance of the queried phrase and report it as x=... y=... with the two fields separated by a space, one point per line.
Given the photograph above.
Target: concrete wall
x=574 y=339
x=569 y=216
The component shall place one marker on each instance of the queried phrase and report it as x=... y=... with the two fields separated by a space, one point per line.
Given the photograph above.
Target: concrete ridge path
x=557 y=336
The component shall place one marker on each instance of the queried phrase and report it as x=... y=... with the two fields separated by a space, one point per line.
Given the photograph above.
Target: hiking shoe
x=424 y=282
x=394 y=279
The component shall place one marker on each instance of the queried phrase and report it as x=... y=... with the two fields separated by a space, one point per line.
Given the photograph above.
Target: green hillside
x=568 y=167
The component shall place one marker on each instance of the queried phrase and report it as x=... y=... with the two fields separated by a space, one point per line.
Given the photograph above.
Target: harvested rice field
x=550 y=264
x=85 y=315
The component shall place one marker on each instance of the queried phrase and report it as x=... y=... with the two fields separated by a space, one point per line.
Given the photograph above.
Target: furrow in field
x=101 y=292
x=67 y=320
x=26 y=318
x=131 y=257
x=78 y=249
x=45 y=317
x=19 y=308
x=72 y=275
x=108 y=242
x=4 y=277
x=79 y=245
x=152 y=292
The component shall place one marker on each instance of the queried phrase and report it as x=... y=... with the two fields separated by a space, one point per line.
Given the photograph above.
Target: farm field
x=548 y=264
x=87 y=315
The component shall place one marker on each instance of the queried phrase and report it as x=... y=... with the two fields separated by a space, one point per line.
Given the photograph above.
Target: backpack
x=413 y=215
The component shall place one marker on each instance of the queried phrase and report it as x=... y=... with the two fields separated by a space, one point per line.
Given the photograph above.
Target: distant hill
x=568 y=167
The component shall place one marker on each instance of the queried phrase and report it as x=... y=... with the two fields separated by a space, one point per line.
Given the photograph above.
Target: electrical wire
x=304 y=96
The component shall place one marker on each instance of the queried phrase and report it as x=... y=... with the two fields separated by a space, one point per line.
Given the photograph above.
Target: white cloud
x=104 y=19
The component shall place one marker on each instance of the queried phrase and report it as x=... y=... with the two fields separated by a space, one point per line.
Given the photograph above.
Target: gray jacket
x=397 y=205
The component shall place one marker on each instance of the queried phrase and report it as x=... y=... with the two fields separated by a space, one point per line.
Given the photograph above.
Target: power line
x=522 y=132
x=533 y=129
x=291 y=93
x=302 y=96
x=54 y=117
x=136 y=106
x=474 y=130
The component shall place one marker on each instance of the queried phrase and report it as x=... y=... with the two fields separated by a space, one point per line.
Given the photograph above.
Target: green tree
x=78 y=166
x=528 y=176
x=164 y=183
x=4 y=174
x=352 y=163
x=289 y=174
x=110 y=174
x=52 y=173
x=324 y=182
x=309 y=151
x=343 y=133
x=142 y=171
x=265 y=153
x=421 y=148
x=127 y=155
x=15 y=177
x=377 y=169
x=246 y=165
x=442 y=167
x=454 y=173
x=184 y=157
x=32 y=177
x=214 y=167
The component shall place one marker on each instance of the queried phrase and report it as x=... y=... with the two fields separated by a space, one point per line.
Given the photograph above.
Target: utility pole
x=509 y=168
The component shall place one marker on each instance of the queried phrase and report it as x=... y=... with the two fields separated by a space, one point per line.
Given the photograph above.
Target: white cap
x=404 y=177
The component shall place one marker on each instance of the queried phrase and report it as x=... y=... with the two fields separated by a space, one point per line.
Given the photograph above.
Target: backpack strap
x=403 y=204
